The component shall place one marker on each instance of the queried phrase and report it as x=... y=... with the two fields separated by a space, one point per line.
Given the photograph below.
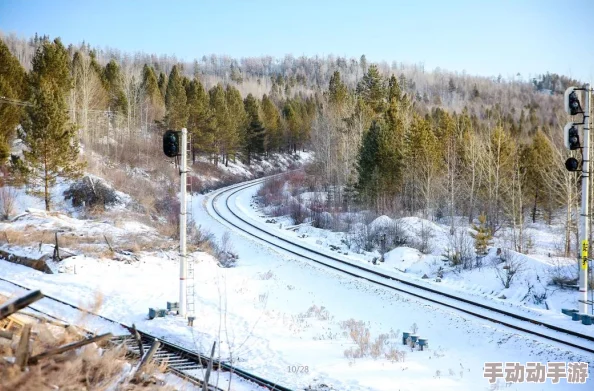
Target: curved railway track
x=178 y=359
x=482 y=311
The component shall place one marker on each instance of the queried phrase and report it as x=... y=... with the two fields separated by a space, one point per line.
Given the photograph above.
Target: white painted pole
x=183 y=265
x=585 y=217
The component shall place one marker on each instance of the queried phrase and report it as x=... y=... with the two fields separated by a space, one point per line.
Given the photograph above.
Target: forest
x=393 y=138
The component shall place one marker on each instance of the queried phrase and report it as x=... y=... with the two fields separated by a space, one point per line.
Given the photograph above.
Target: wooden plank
x=65 y=348
x=138 y=340
x=5 y=334
x=148 y=357
x=22 y=352
x=19 y=303
x=209 y=368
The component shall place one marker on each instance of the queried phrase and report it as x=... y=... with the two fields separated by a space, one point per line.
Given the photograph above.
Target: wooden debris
x=209 y=367
x=5 y=334
x=22 y=352
x=19 y=303
x=148 y=357
x=138 y=340
x=65 y=348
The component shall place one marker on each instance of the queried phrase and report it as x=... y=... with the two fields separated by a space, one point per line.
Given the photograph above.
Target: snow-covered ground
x=285 y=319
x=529 y=290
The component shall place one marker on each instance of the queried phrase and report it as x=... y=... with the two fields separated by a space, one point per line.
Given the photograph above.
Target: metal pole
x=183 y=265
x=585 y=217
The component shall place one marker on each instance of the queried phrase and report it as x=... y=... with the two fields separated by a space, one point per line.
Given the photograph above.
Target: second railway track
x=479 y=310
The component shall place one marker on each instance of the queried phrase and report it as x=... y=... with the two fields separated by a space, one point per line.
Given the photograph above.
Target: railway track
x=178 y=360
x=496 y=315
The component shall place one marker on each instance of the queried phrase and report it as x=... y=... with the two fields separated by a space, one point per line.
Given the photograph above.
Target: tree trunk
x=534 y=207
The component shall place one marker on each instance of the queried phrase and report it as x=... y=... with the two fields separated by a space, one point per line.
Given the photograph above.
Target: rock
x=502 y=297
x=438 y=279
x=425 y=276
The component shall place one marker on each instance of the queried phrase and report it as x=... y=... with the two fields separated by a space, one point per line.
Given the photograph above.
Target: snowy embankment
x=274 y=313
x=529 y=292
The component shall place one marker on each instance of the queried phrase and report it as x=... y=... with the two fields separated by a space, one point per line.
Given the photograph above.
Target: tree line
x=431 y=143
x=376 y=147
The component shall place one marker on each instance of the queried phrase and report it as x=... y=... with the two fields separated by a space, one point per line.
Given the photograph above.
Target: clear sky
x=485 y=37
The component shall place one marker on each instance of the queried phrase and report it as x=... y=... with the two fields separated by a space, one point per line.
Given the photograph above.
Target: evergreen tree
x=291 y=115
x=199 y=118
x=152 y=98
x=483 y=237
x=451 y=86
x=51 y=141
x=12 y=86
x=113 y=83
x=162 y=84
x=238 y=120
x=371 y=89
x=367 y=167
x=255 y=134
x=337 y=91
x=272 y=123
x=394 y=91
x=537 y=159
x=218 y=106
x=175 y=101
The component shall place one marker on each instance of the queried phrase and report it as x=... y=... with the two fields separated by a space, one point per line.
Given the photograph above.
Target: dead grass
x=91 y=368
x=385 y=345
x=96 y=244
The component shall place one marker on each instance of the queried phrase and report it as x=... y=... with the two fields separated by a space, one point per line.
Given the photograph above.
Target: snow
x=266 y=313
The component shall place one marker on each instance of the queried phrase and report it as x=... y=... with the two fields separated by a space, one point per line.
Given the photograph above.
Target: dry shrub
x=225 y=253
x=266 y=276
x=298 y=212
x=320 y=313
x=381 y=345
x=271 y=191
x=201 y=239
x=395 y=355
x=358 y=333
x=8 y=197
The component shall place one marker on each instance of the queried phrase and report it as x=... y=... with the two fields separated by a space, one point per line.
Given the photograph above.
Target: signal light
x=572 y=102
x=572 y=164
x=571 y=137
x=171 y=143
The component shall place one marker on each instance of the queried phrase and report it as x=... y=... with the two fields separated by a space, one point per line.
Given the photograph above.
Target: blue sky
x=481 y=37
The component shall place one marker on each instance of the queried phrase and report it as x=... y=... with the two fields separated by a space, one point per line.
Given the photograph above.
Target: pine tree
x=152 y=98
x=255 y=134
x=371 y=88
x=12 y=86
x=51 y=141
x=162 y=84
x=483 y=237
x=199 y=118
x=113 y=83
x=175 y=101
x=394 y=90
x=238 y=121
x=337 y=91
x=272 y=123
x=292 y=117
x=536 y=160
x=218 y=106
x=367 y=167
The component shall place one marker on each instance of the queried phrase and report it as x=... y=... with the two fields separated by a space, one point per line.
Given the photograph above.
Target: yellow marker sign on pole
x=584 y=254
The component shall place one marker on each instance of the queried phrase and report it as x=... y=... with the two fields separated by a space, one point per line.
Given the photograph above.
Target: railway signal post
x=174 y=145
x=571 y=137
